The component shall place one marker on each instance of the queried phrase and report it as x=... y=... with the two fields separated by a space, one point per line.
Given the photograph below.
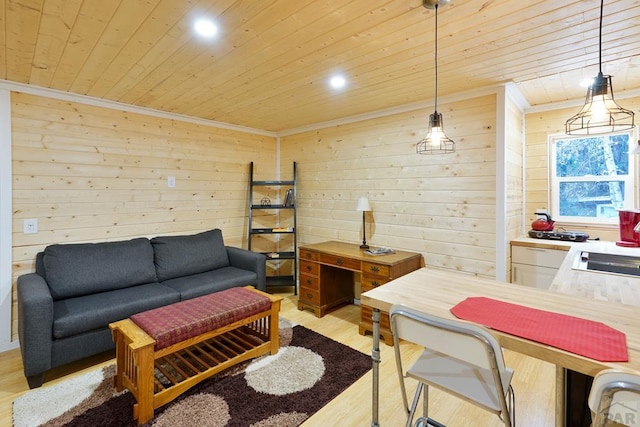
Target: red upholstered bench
x=163 y=352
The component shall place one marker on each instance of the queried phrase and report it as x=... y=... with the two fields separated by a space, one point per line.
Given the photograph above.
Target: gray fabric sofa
x=64 y=308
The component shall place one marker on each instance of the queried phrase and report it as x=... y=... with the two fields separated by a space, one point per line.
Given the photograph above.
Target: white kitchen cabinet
x=535 y=267
x=532 y=275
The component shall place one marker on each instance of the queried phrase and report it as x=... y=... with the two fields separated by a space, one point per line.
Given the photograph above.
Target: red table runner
x=580 y=336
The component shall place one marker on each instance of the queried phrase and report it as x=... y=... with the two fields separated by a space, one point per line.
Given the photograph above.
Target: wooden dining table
x=437 y=291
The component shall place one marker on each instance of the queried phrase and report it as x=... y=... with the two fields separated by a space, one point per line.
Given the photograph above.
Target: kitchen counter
x=616 y=293
x=600 y=286
x=530 y=242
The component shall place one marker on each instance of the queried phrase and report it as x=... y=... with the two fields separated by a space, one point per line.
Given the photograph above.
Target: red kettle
x=543 y=224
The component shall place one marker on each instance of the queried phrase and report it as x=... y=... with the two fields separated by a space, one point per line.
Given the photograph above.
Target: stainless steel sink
x=608 y=263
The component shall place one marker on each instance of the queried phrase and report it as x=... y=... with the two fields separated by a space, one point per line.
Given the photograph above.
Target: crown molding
x=390 y=111
x=98 y=102
x=511 y=88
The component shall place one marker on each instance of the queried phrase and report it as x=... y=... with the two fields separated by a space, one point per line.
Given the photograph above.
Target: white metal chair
x=459 y=358
x=615 y=396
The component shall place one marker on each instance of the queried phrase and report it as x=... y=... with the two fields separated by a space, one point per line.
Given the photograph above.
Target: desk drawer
x=308 y=255
x=341 y=262
x=307 y=267
x=371 y=282
x=309 y=282
x=377 y=269
x=309 y=295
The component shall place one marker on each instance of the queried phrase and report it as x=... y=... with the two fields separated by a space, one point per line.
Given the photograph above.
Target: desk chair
x=615 y=395
x=459 y=358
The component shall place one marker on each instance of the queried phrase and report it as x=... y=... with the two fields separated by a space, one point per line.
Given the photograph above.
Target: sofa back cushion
x=74 y=270
x=177 y=256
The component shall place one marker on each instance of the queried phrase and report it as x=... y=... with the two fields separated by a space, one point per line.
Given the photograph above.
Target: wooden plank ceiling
x=269 y=64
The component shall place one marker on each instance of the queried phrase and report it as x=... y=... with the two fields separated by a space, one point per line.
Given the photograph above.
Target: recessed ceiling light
x=337 y=82
x=205 y=28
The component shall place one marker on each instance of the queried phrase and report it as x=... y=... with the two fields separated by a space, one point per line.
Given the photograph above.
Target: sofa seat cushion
x=77 y=315
x=73 y=270
x=188 y=319
x=211 y=281
x=177 y=256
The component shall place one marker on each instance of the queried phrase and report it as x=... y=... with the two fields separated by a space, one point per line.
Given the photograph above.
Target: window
x=591 y=177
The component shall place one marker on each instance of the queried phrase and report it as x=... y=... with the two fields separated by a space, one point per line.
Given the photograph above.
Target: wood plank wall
x=89 y=173
x=93 y=174
x=539 y=126
x=442 y=206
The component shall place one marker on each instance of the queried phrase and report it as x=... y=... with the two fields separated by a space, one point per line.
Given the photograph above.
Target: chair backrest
x=615 y=395
x=455 y=338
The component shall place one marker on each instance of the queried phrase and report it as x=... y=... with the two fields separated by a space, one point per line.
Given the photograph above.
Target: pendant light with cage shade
x=600 y=113
x=436 y=141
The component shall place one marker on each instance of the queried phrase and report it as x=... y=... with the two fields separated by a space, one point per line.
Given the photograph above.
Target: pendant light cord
x=600 y=38
x=435 y=105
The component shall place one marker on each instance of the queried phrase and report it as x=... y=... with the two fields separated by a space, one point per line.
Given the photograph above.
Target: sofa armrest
x=248 y=260
x=35 y=323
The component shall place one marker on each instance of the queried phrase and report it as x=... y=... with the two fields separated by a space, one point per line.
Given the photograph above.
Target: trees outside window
x=592 y=177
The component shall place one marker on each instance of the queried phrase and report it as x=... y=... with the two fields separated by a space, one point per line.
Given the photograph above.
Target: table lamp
x=363 y=206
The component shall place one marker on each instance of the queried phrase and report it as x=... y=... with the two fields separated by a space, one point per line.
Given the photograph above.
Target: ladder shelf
x=272 y=227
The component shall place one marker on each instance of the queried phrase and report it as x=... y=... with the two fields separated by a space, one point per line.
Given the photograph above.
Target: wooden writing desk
x=436 y=291
x=326 y=277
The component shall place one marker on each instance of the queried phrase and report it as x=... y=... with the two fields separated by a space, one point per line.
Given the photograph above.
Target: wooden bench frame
x=155 y=378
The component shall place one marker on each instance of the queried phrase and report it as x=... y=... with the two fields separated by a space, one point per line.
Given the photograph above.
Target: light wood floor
x=533 y=381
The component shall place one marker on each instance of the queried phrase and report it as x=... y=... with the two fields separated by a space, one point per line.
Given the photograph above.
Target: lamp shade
x=436 y=141
x=363 y=205
x=600 y=113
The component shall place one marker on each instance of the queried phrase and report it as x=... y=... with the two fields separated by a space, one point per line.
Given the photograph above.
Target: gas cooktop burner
x=572 y=236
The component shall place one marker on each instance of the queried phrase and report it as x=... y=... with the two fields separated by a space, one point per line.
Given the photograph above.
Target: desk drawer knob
x=375 y=269
x=307 y=255
x=309 y=281
x=309 y=296
x=339 y=261
x=375 y=283
x=309 y=268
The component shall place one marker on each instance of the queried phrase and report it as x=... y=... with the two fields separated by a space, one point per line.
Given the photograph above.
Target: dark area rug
x=281 y=390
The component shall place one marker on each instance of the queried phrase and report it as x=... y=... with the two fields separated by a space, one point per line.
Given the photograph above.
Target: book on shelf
x=288 y=198
x=379 y=251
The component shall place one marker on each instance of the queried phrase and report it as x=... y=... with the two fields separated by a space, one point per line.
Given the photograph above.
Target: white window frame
x=631 y=181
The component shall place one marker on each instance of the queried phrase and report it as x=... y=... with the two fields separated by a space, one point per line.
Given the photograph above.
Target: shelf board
x=271 y=207
x=275 y=281
x=269 y=231
x=272 y=183
x=283 y=255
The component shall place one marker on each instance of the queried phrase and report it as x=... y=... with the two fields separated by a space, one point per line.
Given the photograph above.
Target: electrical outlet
x=171 y=181
x=30 y=226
